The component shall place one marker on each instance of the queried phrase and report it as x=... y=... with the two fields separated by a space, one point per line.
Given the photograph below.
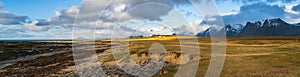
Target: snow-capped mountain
x=269 y=27
x=231 y=31
x=205 y=33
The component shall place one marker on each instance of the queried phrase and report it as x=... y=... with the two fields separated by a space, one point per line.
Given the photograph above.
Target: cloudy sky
x=66 y=19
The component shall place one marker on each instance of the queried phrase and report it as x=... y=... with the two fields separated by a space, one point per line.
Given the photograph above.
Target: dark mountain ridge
x=269 y=27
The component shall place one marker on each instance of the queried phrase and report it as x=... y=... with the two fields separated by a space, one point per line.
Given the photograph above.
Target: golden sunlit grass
x=246 y=56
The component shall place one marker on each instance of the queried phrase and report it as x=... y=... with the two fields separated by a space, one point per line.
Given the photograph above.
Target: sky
x=37 y=8
x=100 y=19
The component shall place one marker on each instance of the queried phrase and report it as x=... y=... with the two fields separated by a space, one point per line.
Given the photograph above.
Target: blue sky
x=54 y=19
x=38 y=8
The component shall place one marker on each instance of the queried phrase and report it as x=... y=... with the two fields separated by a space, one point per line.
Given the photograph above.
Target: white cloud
x=7 y=18
x=33 y=27
x=13 y=32
x=88 y=15
x=288 y=9
x=229 y=13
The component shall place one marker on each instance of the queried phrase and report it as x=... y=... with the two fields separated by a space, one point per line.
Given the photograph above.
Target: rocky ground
x=58 y=64
x=16 y=50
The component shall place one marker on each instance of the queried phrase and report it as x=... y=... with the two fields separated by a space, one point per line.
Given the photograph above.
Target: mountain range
x=269 y=27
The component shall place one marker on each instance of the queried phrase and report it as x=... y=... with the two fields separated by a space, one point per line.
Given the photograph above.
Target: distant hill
x=269 y=27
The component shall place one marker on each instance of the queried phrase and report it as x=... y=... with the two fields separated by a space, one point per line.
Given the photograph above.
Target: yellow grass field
x=245 y=57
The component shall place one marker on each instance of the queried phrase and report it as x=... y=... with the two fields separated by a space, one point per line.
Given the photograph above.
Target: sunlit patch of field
x=246 y=56
x=260 y=56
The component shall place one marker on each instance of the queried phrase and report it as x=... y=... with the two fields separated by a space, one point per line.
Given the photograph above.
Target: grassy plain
x=245 y=57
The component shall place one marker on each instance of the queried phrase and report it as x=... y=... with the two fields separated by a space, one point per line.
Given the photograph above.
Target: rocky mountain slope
x=269 y=27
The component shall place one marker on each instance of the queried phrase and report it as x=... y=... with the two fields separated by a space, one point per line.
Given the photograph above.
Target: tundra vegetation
x=245 y=56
